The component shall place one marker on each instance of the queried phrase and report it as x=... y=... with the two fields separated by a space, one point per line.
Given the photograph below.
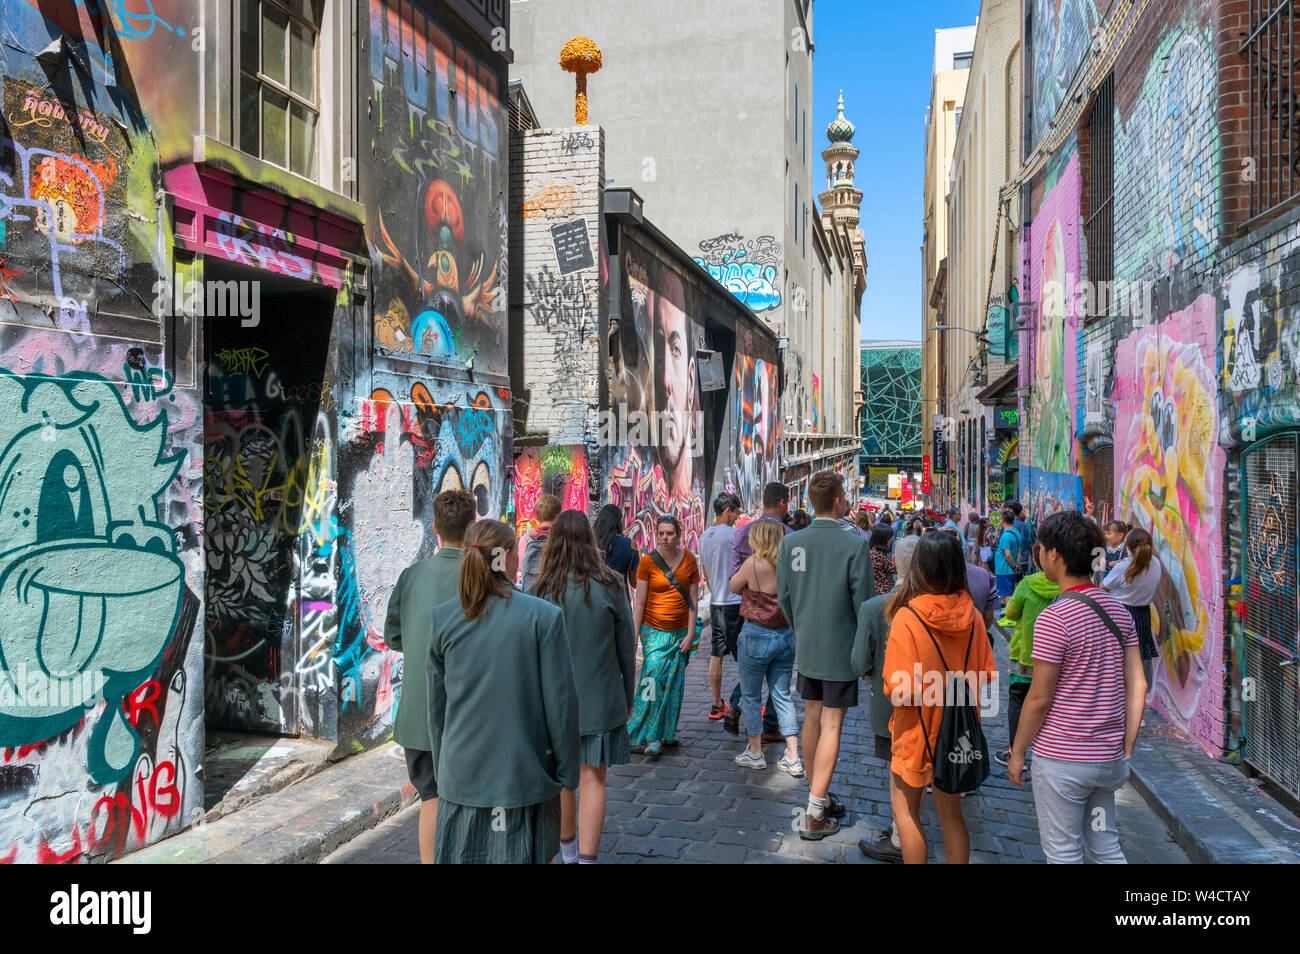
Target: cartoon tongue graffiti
x=90 y=586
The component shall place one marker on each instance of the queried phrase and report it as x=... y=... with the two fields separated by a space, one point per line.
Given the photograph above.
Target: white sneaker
x=793 y=767
x=747 y=759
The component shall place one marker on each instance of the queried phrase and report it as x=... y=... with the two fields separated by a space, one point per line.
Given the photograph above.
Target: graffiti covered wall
x=747 y=456
x=101 y=668
x=436 y=412
x=1168 y=481
x=657 y=463
x=557 y=470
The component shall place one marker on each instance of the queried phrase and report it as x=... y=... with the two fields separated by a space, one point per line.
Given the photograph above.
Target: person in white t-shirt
x=1133 y=581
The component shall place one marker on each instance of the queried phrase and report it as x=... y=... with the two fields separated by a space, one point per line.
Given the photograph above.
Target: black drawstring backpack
x=961 y=753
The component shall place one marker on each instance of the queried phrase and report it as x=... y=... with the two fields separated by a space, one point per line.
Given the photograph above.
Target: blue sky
x=880 y=53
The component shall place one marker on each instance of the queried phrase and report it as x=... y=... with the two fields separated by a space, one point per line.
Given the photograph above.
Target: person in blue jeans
x=1026 y=533
x=765 y=650
x=1006 y=555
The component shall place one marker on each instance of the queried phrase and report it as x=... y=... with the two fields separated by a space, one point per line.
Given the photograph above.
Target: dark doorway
x=266 y=391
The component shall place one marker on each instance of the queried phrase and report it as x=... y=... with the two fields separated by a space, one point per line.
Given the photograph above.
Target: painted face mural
x=658 y=463
x=748 y=461
x=1166 y=423
x=89 y=580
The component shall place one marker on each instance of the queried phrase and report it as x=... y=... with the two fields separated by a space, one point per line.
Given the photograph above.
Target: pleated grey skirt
x=612 y=747
x=497 y=836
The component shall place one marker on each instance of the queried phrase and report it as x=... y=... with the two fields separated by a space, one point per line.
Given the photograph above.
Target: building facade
x=979 y=345
x=723 y=153
x=639 y=380
x=253 y=311
x=951 y=67
x=892 y=416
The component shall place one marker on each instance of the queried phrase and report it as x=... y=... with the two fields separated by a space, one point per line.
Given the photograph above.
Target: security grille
x=1269 y=55
x=1103 y=483
x=1101 y=190
x=1271 y=700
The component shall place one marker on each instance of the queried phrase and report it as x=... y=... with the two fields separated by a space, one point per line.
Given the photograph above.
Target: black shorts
x=419 y=766
x=884 y=747
x=832 y=694
x=725 y=623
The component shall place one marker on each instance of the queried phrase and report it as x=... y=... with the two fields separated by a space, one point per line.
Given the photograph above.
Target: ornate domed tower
x=841 y=203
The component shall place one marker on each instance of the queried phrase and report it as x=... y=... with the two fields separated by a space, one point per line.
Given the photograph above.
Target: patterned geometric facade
x=891 y=382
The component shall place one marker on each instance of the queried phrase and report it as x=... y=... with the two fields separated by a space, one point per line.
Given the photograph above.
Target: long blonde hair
x=765 y=538
x=482 y=565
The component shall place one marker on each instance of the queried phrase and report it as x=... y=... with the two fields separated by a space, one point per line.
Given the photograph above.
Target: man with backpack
x=1085 y=703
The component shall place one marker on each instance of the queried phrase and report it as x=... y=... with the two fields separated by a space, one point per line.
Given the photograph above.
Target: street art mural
x=749 y=269
x=1062 y=34
x=657 y=463
x=437 y=214
x=1259 y=370
x=1166 y=154
x=397 y=453
x=748 y=457
x=557 y=470
x=101 y=668
x=1054 y=260
x=1169 y=474
x=97 y=679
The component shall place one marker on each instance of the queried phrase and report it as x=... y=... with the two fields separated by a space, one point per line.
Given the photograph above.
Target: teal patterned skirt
x=659 y=691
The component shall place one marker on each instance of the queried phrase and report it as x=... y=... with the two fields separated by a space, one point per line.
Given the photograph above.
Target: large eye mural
x=89 y=579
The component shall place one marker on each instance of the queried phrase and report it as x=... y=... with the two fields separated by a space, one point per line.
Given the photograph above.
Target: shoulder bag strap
x=1105 y=618
x=672 y=580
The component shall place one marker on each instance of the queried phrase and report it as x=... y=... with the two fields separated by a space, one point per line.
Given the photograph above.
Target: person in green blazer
x=407 y=629
x=823 y=577
x=598 y=620
x=503 y=712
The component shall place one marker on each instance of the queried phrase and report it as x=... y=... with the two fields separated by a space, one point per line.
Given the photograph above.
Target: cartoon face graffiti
x=89 y=580
x=1168 y=490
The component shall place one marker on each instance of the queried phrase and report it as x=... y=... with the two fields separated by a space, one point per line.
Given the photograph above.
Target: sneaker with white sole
x=748 y=759
x=793 y=767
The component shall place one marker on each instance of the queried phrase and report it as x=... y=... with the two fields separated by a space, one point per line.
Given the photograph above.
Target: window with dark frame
x=1100 y=227
x=1269 y=55
x=279 y=103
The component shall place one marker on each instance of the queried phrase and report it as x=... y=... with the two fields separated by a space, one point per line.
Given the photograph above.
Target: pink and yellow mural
x=557 y=470
x=1168 y=479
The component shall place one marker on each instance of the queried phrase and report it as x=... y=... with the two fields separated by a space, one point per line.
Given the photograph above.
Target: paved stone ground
x=696 y=805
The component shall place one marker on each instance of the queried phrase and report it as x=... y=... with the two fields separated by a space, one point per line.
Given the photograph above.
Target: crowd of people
x=521 y=686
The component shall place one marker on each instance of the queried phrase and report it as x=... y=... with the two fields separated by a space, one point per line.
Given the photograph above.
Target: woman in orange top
x=665 y=622
x=933 y=595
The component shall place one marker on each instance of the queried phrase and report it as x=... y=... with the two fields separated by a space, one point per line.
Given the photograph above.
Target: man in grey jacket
x=823 y=577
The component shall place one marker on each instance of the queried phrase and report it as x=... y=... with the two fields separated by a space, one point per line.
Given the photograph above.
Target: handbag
x=961 y=753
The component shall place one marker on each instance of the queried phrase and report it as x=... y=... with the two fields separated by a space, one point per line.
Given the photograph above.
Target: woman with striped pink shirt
x=1085 y=704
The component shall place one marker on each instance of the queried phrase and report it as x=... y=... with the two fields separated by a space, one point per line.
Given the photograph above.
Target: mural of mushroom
x=580 y=56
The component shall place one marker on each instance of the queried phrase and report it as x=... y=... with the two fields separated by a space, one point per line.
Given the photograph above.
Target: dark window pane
x=275 y=31
x=250 y=21
x=302 y=67
x=249 y=115
x=302 y=141
x=275 y=121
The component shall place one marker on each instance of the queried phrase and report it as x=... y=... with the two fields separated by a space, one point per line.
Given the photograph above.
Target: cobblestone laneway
x=696 y=805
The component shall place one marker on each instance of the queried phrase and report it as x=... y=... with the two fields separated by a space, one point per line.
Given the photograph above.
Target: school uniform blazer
x=824 y=576
x=503 y=704
x=869 y=659
x=603 y=641
x=407 y=629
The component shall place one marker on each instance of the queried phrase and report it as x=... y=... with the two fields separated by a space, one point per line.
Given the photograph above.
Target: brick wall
x=556 y=178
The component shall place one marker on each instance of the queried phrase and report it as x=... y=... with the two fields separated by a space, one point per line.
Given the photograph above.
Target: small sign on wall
x=572 y=246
